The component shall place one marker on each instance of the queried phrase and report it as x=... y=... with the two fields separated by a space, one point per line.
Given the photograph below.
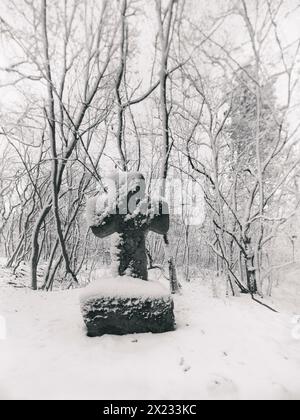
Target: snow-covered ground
x=222 y=349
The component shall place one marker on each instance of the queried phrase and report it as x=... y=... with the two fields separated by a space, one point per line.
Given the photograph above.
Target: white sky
x=146 y=27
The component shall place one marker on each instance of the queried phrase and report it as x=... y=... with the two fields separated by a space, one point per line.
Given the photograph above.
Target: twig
x=263 y=304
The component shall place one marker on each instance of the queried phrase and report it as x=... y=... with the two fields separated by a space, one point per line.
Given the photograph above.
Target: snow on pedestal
x=124 y=305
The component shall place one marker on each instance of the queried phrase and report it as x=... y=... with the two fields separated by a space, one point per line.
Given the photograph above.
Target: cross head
x=127 y=212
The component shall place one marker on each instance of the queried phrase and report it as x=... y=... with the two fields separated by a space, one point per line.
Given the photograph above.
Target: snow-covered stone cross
x=127 y=212
x=119 y=302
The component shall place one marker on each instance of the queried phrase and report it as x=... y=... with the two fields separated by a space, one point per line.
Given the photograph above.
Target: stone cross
x=127 y=212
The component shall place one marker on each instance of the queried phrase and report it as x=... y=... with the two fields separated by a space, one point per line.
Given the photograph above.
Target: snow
x=91 y=212
x=119 y=185
x=106 y=285
x=222 y=349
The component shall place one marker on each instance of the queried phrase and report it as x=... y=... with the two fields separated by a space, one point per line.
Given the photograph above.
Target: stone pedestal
x=133 y=307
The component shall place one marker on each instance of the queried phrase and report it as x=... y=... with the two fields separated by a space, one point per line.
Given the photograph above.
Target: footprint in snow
x=222 y=387
x=186 y=368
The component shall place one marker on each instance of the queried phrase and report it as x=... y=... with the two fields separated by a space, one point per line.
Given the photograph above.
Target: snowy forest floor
x=222 y=349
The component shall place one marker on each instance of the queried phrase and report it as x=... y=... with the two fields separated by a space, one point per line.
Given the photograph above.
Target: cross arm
x=159 y=218
x=100 y=217
x=107 y=227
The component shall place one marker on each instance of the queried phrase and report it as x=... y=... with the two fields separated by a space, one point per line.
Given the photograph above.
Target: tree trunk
x=35 y=253
x=165 y=44
x=250 y=268
x=52 y=134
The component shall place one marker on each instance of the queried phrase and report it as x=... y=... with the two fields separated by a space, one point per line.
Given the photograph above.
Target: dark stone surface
x=131 y=251
x=120 y=316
